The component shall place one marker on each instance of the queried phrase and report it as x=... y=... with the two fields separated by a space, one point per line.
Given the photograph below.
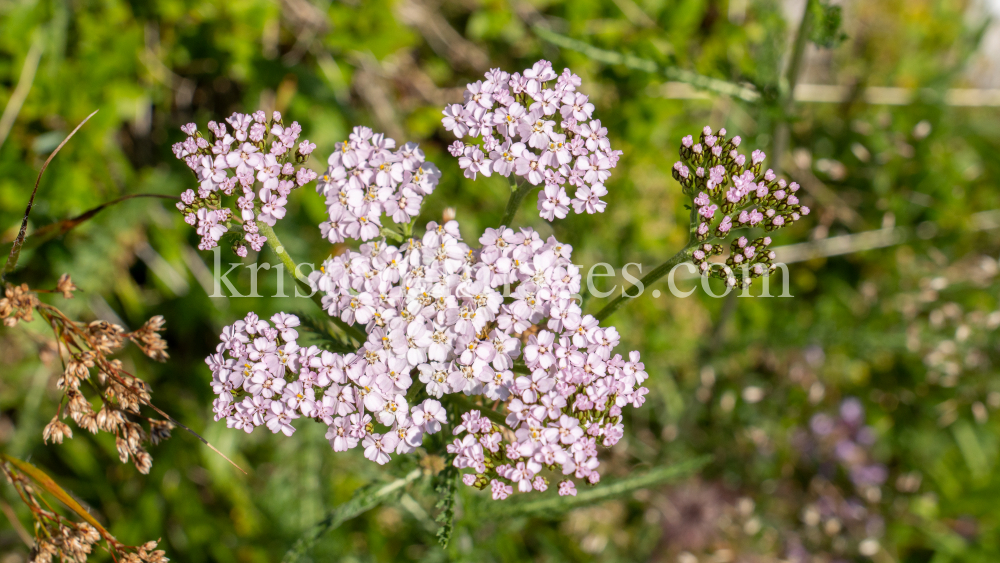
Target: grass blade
x=45 y=482
x=15 y=249
x=20 y=92
x=60 y=228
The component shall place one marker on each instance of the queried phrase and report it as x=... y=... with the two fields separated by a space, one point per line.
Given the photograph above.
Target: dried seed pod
x=149 y=341
x=65 y=286
x=56 y=430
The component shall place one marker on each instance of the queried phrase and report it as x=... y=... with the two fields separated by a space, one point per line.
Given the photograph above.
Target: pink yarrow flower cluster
x=537 y=126
x=435 y=307
x=443 y=321
x=261 y=157
x=722 y=181
x=435 y=311
x=264 y=378
x=366 y=178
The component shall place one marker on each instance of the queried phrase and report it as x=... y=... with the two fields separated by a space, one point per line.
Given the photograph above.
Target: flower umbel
x=537 y=126
x=434 y=312
x=367 y=179
x=720 y=179
x=257 y=160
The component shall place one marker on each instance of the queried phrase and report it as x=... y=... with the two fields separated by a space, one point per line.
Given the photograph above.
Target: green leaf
x=364 y=499
x=46 y=483
x=972 y=450
x=322 y=330
x=551 y=504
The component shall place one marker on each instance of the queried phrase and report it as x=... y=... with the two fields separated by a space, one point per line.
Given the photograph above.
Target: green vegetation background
x=862 y=325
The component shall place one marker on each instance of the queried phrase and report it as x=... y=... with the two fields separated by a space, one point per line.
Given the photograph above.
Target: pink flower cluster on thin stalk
x=546 y=135
x=367 y=179
x=747 y=196
x=256 y=151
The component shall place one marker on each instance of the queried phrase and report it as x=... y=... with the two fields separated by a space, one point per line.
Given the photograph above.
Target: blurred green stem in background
x=20 y=93
x=637 y=63
x=303 y=281
x=781 y=132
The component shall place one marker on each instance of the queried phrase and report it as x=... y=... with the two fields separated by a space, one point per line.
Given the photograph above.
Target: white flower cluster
x=516 y=118
x=245 y=153
x=366 y=178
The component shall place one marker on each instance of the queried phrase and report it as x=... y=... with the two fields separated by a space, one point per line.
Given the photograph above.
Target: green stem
x=279 y=249
x=657 y=273
x=466 y=404
x=781 y=133
x=645 y=65
x=303 y=281
x=517 y=195
x=798 y=52
x=392 y=234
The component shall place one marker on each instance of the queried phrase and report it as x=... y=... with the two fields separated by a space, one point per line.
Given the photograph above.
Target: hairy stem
x=654 y=275
x=303 y=281
x=392 y=234
x=517 y=195
x=658 y=272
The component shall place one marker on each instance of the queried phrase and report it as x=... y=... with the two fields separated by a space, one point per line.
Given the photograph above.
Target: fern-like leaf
x=364 y=499
x=550 y=504
x=445 y=485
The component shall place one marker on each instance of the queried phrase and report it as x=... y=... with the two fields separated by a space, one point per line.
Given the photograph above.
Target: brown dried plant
x=89 y=372
x=84 y=347
x=58 y=536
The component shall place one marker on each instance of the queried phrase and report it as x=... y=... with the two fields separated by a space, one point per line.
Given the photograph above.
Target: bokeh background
x=854 y=421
